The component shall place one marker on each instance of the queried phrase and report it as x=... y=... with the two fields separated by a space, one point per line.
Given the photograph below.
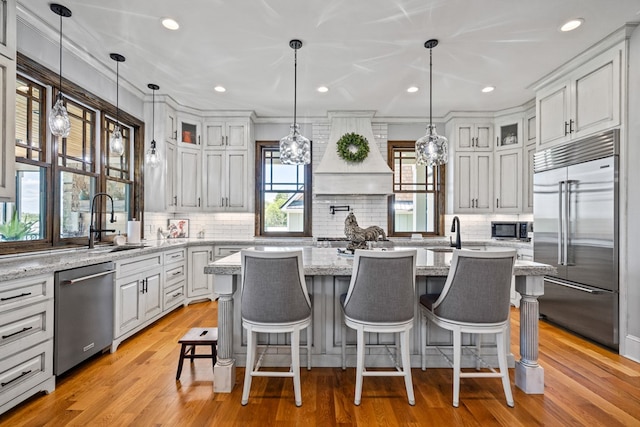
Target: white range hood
x=335 y=176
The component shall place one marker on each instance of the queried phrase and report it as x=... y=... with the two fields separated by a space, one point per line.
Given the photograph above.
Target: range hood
x=335 y=176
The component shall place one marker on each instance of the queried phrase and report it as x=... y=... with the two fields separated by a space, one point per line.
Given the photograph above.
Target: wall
x=630 y=212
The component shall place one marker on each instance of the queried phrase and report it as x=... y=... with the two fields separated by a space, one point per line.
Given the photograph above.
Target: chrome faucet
x=93 y=231
x=455 y=226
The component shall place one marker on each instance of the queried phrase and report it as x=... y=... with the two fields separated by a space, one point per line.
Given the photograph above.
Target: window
x=283 y=194
x=56 y=178
x=417 y=203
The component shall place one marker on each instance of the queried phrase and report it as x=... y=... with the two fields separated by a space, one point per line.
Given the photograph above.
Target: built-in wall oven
x=83 y=323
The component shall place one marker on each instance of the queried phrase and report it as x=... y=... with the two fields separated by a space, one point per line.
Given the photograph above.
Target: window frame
x=31 y=70
x=439 y=191
x=261 y=146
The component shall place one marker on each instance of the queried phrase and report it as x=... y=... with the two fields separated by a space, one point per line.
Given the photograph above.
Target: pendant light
x=153 y=157
x=432 y=149
x=295 y=149
x=116 y=146
x=59 y=123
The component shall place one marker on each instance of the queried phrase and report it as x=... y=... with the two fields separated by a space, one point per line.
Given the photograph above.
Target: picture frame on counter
x=178 y=228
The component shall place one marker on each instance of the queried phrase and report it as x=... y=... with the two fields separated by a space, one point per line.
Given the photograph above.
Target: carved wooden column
x=529 y=375
x=224 y=373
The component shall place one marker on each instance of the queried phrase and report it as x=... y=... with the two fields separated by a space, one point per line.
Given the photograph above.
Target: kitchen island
x=328 y=274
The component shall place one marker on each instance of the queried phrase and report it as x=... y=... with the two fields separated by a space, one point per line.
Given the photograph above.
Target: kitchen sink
x=109 y=249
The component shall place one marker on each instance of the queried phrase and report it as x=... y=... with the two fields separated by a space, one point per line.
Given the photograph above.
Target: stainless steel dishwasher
x=83 y=314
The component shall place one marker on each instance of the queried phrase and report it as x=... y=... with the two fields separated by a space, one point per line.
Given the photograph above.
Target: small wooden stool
x=196 y=337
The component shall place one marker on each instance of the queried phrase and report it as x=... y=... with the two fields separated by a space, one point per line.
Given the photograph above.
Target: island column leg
x=224 y=372
x=529 y=374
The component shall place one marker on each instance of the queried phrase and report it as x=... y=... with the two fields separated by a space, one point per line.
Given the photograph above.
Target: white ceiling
x=368 y=52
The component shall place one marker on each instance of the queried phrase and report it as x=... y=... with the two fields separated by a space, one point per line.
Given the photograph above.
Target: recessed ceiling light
x=323 y=89
x=220 y=89
x=170 y=24
x=488 y=89
x=412 y=89
x=571 y=24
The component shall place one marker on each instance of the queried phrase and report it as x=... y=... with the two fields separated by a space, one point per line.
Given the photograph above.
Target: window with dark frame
x=417 y=204
x=57 y=177
x=283 y=194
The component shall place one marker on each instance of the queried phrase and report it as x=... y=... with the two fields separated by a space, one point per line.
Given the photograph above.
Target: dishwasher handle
x=576 y=287
x=91 y=276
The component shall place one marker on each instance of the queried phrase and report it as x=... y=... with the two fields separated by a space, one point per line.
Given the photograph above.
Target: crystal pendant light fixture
x=59 y=123
x=295 y=149
x=116 y=145
x=432 y=149
x=152 y=157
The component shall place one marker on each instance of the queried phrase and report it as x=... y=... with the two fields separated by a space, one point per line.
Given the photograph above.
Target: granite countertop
x=329 y=262
x=47 y=262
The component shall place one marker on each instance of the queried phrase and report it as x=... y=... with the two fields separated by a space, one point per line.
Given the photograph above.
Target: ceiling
x=367 y=52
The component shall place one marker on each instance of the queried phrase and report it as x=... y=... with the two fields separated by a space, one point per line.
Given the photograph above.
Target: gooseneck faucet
x=455 y=226
x=92 y=230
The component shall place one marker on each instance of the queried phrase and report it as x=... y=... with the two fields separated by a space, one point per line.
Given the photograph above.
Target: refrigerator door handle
x=560 y=223
x=576 y=287
x=567 y=218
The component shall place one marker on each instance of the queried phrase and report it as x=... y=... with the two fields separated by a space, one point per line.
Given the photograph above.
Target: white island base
x=327 y=277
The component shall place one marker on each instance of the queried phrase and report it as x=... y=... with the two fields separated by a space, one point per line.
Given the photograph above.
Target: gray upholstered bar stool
x=381 y=298
x=274 y=300
x=475 y=300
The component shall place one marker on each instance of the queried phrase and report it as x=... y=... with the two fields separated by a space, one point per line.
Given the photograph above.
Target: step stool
x=194 y=338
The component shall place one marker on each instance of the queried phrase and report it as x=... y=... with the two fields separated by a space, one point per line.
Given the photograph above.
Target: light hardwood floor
x=585 y=385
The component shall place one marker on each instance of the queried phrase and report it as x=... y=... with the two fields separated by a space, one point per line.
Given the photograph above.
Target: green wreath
x=353 y=147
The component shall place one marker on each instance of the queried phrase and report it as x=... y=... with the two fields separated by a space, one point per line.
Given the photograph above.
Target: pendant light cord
x=295 y=84
x=430 y=87
x=60 y=69
x=117 y=93
x=153 y=120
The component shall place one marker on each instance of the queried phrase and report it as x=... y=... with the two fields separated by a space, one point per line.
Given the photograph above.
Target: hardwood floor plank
x=584 y=385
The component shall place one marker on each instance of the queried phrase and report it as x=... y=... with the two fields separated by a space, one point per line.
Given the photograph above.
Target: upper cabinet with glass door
x=508 y=130
x=189 y=130
x=8 y=28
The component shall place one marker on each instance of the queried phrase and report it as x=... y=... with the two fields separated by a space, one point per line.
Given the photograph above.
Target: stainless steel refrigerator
x=576 y=230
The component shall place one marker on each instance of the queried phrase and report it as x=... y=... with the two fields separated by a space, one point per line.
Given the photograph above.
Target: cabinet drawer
x=175 y=255
x=223 y=251
x=174 y=295
x=173 y=274
x=25 y=370
x=25 y=327
x=18 y=293
x=126 y=267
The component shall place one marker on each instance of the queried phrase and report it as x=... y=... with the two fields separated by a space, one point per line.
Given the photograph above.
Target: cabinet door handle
x=24 y=294
x=198 y=139
x=175 y=200
x=4 y=337
x=198 y=201
x=571 y=126
x=497 y=141
x=177 y=295
x=175 y=273
x=226 y=139
x=221 y=139
x=566 y=131
x=175 y=134
x=226 y=201
x=497 y=203
x=16 y=378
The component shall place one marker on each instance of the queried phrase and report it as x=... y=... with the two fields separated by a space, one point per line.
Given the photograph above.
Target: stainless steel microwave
x=511 y=230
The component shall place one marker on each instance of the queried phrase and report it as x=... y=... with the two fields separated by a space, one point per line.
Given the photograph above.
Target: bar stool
x=194 y=338
x=274 y=300
x=475 y=300
x=381 y=298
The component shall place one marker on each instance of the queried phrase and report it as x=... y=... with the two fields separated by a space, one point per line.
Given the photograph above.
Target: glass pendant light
x=432 y=149
x=116 y=145
x=152 y=157
x=59 y=123
x=295 y=149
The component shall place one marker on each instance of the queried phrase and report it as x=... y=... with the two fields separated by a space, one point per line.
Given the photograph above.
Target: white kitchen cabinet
x=508 y=181
x=138 y=295
x=527 y=176
x=473 y=182
x=583 y=102
x=8 y=29
x=189 y=180
x=226 y=185
x=222 y=135
x=199 y=284
x=171 y=177
x=171 y=125
x=189 y=130
x=474 y=136
x=509 y=132
x=7 y=118
x=26 y=347
x=175 y=278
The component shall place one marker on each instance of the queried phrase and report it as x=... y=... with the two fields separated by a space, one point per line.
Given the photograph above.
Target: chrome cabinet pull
x=16 y=378
x=24 y=294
